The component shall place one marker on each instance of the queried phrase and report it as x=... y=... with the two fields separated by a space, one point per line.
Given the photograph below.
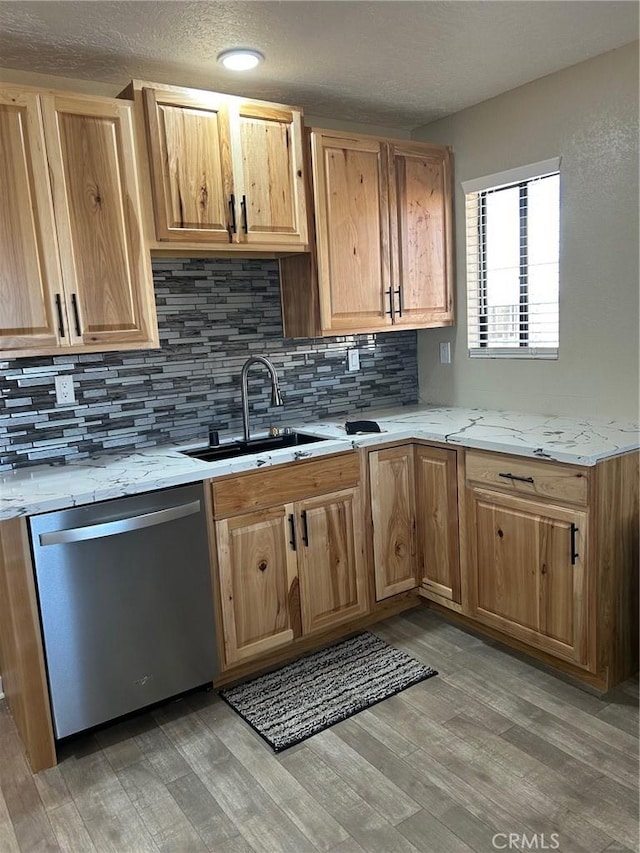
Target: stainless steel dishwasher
x=126 y=606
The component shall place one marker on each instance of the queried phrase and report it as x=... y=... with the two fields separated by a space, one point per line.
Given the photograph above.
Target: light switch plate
x=445 y=352
x=353 y=359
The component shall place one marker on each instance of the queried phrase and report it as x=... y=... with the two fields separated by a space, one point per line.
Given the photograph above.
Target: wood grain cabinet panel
x=383 y=239
x=333 y=586
x=394 y=519
x=437 y=522
x=256 y=569
x=224 y=170
x=105 y=264
x=75 y=273
x=30 y=279
x=421 y=234
x=528 y=571
x=190 y=151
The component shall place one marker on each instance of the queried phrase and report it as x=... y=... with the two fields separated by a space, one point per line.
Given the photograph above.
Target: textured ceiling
x=396 y=63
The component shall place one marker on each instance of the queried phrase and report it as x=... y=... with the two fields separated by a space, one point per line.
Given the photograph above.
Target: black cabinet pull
x=391 y=312
x=76 y=314
x=574 y=553
x=232 y=213
x=243 y=206
x=305 y=528
x=60 y=319
x=400 y=301
x=515 y=477
x=292 y=541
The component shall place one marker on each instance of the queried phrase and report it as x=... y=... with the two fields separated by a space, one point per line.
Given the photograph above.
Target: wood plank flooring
x=495 y=744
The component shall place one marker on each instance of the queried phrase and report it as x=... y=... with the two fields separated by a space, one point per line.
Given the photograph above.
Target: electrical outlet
x=445 y=353
x=65 y=393
x=353 y=359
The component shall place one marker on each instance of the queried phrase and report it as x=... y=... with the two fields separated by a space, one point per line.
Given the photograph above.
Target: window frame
x=476 y=192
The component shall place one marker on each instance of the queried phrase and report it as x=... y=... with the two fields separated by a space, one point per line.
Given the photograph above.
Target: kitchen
x=134 y=401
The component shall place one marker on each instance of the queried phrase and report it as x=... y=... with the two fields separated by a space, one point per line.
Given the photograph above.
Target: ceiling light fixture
x=240 y=59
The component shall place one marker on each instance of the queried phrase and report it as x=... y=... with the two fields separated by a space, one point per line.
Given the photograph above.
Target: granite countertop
x=28 y=491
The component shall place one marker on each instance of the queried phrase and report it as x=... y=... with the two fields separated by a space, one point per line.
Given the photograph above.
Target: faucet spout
x=276 y=395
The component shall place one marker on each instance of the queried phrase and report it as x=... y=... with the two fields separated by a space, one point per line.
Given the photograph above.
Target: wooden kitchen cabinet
x=75 y=274
x=393 y=513
x=224 y=170
x=528 y=577
x=383 y=239
x=257 y=568
x=437 y=523
x=333 y=585
x=289 y=554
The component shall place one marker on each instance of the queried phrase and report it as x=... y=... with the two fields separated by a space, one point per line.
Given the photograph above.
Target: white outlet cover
x=65 y=392
x=445 y=352
x=354 y=359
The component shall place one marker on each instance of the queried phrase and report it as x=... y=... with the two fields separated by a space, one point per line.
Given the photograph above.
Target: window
x=513 y=247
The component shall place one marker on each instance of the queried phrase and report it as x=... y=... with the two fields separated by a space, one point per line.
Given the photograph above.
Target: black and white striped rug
x=304 y=697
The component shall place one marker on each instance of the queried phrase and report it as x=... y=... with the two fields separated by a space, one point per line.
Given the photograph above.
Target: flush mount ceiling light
x=240 y=59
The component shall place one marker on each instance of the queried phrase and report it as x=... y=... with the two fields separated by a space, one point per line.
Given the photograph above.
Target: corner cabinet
x=75 y=274
x=414 y=516
x=383 y=223
x=288 y=554
x=224 y=170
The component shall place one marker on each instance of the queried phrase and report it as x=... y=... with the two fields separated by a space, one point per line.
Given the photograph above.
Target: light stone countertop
x=28 y=491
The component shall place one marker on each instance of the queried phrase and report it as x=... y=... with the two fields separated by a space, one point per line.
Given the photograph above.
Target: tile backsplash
x=213 y=315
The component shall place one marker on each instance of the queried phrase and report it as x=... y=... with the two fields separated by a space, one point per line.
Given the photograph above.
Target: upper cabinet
x=224 y=170
x=75 y=272
x=384 y=240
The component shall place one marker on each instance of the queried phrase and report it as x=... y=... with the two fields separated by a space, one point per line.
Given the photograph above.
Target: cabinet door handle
x=243 y=206
x=292 y=523
x=305 y=528
x=391 y=312
x=232 y=213
x=60 y=319
x=400 y=301
x=574 y=553
x=76 y=314
x=515 y=477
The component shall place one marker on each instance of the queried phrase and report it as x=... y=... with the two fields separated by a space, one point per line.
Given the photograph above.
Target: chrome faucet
x=276 y=396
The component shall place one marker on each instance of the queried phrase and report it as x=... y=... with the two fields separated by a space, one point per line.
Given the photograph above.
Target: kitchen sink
x=254 y=445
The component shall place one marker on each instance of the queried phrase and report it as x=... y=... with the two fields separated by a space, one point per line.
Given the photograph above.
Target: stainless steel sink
x=254 y=445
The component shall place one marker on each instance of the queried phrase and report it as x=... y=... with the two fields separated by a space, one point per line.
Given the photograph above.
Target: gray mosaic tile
x=212 y=316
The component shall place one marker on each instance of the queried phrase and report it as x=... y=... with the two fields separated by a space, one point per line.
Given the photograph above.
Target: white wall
x=587 y=114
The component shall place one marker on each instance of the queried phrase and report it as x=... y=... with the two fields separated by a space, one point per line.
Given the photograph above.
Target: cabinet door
x=190 y=162
x=269 y=176
x=527 y=562
x=30 y=282
x=421 y=234
x=106 y=267
x=394 y=520
x=257 y=570
x=437 y=519
x=333 y=586
x=352 y=229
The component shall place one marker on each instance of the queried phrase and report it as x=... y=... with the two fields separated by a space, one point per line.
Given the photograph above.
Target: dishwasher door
x=126 y=605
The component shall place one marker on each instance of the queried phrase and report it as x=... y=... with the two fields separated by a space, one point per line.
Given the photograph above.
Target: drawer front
x=284 y=484
x=518 y=475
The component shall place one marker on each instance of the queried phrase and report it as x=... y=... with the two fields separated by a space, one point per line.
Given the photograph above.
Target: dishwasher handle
x=121 y=525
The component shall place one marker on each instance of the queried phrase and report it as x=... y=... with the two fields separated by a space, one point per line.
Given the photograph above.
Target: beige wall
x=587 y=114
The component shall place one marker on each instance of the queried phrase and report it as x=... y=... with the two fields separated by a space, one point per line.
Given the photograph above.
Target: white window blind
x=513 y=247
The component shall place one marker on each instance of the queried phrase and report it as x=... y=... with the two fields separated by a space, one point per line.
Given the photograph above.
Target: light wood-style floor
x=493 y=745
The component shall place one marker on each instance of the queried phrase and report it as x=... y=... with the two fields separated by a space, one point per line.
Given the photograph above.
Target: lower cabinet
x=527 y=577
x=414 y=512
x=294 y=568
